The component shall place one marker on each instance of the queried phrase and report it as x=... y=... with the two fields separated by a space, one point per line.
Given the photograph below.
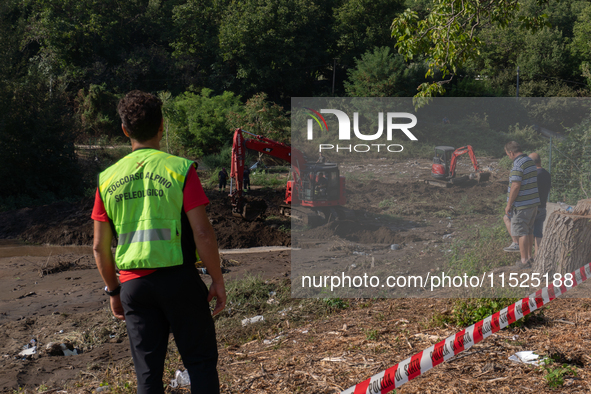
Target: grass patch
x=390 y=218
x=466 y=312
x=481 y=253
x=387 y=203
x=555 y=374
x=282 y=223
x=253 y=296
x=372 y=335
x=444 y=213
x=217 y=160
x=506 y=163
x=266 y=178
x=336 y=303
x=467 y=206
x=262 y=178
x=359 y=176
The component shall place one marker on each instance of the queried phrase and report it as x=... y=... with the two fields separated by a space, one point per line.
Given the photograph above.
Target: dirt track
x=58 y=298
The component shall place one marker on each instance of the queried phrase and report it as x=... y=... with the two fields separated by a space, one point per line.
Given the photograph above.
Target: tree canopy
x=223 y=64
x=448 y=35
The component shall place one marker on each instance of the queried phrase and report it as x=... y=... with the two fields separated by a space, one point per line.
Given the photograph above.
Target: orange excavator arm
x=259 y=144
x=459 y=152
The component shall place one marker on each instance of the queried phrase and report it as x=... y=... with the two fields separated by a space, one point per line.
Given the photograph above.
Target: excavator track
x=318 y=216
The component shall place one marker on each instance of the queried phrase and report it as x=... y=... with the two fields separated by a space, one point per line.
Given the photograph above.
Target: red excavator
x=315 y=194
x=444 y=166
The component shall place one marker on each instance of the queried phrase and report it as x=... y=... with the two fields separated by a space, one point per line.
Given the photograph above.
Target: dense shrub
x=37 y=158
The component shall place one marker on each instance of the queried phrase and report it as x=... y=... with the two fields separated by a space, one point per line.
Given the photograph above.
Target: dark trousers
x=171 y=299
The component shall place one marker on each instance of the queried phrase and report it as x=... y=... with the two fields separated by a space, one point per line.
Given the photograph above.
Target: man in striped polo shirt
x=522 y=200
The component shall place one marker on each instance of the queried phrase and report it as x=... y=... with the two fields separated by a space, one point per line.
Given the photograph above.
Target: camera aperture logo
x=391 y=125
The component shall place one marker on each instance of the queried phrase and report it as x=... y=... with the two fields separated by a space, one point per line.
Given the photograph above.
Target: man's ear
x=125 y=131
x=161 y=130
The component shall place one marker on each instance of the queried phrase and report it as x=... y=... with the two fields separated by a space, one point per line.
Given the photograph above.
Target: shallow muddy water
x=11 y=248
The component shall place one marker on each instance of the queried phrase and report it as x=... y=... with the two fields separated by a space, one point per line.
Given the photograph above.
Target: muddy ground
x=53 y=295
x=70 y=224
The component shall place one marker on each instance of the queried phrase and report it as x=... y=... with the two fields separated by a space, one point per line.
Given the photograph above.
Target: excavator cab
x=321 y=185
x=441 y=162
x=316 y=187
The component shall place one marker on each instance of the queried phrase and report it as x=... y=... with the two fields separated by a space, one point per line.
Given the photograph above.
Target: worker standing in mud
x=222 y=179
x=246 y=178
x=155 y=204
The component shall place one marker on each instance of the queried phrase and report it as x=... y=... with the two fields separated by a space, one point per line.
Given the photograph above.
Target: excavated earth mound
x=70 y=223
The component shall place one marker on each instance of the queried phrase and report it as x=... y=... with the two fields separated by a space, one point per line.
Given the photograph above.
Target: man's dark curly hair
x=141 y=114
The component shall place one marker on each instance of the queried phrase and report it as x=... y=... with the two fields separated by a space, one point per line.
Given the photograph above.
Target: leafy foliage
x=196 y=42
x=466 y=312
x=97 y=112
x=262 y=117
x=275 y=46
x=199 y=121
x=79 y=56
x=571 y=166
x=580 y=43
x=216 y=161
x=377 y=74
x=361 y=25
x=123 y=44
x=36 y=146
x=555 y=374
x=448 y=35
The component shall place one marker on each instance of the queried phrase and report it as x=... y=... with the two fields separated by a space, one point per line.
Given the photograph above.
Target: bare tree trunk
x=566 y=244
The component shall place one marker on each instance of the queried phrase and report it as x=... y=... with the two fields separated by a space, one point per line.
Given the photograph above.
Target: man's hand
x=106 y=263
x=217 y=290
x=515 y=186
x=207 y=248
x=116 y=307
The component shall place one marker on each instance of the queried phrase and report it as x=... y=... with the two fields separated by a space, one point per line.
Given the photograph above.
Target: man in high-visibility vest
x=154 y=204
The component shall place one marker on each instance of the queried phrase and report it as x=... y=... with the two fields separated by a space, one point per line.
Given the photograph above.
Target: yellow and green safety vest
x=143 y=197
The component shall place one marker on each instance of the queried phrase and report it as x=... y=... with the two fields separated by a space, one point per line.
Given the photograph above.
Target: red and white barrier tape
x=421 y=362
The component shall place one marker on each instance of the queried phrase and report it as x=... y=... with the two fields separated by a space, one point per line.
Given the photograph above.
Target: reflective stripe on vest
x=156 y=234
x=143 y=196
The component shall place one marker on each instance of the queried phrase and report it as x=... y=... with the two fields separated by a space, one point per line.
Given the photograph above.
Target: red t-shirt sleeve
x=98 y=211
x=193 y=194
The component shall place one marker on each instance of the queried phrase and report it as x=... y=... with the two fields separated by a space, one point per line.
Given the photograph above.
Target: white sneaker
x=512 y=248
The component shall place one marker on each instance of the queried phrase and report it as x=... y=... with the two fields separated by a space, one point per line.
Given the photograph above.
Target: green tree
x=13 y=57
x=262 y=117
x=196 y=44
x=361 y=25
x=376 y=74
x=581 y=45
x=275 y=46
x=448 y=35
x=571 y=165
x=198 y=123
x=37 y=158
x=121 y=43
x=96 y=110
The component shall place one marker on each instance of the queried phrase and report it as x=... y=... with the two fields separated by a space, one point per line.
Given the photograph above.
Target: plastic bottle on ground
x=182 y=378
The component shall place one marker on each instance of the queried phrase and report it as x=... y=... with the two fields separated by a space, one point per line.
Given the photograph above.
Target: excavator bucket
x=251 y=211
x=480 y=176
x=240 y=214
x=246 y=213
